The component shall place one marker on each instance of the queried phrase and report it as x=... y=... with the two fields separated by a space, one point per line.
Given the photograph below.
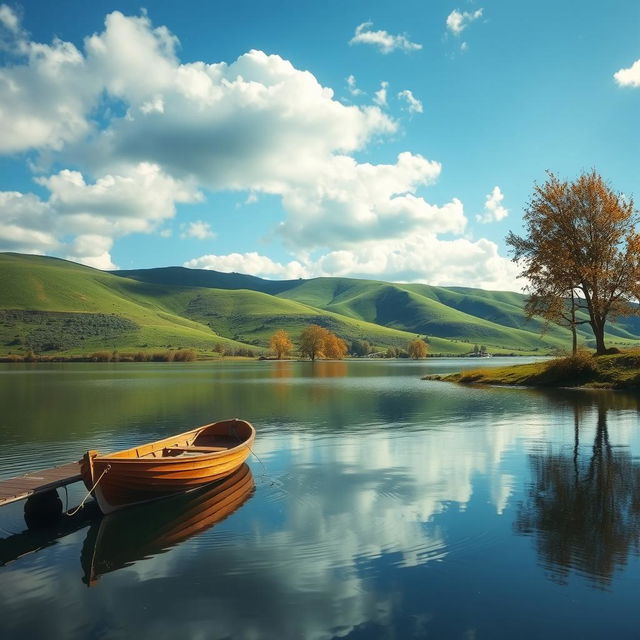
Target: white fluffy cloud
x=380 y=96
x=494 y=211
x=629 y=77
x=257 y=124
x=383 y=40
x=420 y=257
x=252 y=263
x=199 y=229
x=458 y=21
x=350 y=202
x=24 y=224
x=413 y=104
x=352 y=86
x=9 y=19
x=115 y=205
x=45 y=101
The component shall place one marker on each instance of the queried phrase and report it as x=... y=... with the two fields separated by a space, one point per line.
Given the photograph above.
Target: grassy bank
x=615 y=371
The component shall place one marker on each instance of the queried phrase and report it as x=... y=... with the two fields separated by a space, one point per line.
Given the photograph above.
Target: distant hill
x=183 y=277
x=458 y=314
x=55 y=306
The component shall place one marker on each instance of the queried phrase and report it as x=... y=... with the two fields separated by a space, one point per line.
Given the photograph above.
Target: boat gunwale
x=116 y=456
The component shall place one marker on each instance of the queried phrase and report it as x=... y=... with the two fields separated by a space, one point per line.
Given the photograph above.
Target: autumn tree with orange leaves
x=335 y=348
x=581 y=250
x=318 y=342
x=280 y=344
x=417 y=349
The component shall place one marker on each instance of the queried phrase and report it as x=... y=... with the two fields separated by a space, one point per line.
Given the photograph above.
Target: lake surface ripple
x=379 y=505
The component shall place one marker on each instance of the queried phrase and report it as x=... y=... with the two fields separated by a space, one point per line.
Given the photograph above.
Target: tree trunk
x=596 y=321
x=574 y=334
x=598 y=332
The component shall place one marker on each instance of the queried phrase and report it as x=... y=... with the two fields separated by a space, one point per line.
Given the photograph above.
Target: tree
x=560 y=307
x=417 y=349
x=318 y=342
x=580 y=242
x=312 y=341
x=280 y=344
x=334 y=347
x=360 y=348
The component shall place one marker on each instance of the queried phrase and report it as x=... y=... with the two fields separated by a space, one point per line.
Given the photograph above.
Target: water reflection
x=385 y=507
x=328 y=369
x=583 y=505
x=17 y=545
x=124 y=537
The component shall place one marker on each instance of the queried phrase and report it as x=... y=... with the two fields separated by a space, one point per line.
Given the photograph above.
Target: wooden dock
x=23 y=487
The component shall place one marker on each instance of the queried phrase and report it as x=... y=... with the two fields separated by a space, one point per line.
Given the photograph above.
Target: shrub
x=162 y=356
x=101 y=356
x=184 y=355
x=141 y=356
x=579 y=365
x=12 y=357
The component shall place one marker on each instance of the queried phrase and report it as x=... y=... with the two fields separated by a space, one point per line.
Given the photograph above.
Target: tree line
x=316 y=342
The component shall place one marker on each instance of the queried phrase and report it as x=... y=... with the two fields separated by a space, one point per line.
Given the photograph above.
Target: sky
x=395 y=141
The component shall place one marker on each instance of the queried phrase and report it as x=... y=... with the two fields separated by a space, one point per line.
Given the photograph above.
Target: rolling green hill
x=455 y=314
x=54 y=306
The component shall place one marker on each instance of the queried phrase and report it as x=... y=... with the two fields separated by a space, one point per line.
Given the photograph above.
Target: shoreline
x=581 y=371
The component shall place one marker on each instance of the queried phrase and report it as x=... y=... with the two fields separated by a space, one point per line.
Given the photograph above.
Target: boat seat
x=196 y=449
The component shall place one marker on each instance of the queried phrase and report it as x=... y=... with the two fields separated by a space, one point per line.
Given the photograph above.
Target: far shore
x=189 y=355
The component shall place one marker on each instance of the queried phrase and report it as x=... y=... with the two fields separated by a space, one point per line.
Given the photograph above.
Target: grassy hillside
x=419 y=309
x=82 y=309
x=55 y=306
x=457 y=315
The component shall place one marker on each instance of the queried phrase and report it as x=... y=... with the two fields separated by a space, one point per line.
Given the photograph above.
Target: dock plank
x=21 y=487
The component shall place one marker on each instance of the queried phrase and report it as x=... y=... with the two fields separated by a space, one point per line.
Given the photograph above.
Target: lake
x=378 y=505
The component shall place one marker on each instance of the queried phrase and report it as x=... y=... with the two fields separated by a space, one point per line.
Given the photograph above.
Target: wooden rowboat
x=122 y=539
x=172 y=465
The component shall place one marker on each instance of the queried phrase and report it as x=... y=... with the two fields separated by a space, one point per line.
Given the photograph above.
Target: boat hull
x=124 y=538
x=161 y=469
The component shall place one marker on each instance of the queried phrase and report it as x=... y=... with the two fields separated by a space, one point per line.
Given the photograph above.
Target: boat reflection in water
x=139 y=533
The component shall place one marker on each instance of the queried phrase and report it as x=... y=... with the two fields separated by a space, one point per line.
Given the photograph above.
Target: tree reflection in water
x=584 y=510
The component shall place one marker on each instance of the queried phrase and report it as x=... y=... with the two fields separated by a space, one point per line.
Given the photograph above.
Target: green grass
x=80 y=309
x=54 y=287
x=616 y=371
x=419 y=310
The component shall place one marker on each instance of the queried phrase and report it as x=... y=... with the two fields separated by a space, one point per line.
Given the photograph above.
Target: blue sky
x=397 y=141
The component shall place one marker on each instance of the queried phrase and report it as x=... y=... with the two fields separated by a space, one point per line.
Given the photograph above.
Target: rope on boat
x=73 y=513
x=240 y=441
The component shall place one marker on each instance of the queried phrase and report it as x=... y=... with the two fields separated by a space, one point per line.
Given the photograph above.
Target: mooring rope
x=73 y=513
x=240 y=441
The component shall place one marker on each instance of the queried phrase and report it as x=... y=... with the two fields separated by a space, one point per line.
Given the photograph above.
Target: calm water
x=384 y=506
